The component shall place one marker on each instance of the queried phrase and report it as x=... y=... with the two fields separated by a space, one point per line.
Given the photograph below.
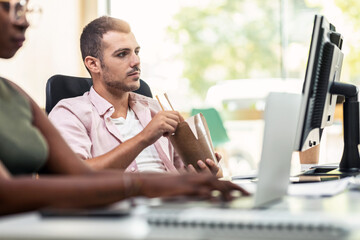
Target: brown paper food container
x=192 y=141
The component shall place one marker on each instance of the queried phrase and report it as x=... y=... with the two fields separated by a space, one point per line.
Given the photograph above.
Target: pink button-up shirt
x=85 y=124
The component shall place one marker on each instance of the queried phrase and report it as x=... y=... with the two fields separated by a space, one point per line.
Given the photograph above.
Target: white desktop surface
x=33 y=226
x=342 y=210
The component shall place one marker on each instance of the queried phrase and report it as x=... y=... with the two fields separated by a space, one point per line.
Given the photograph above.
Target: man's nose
x=135 y=60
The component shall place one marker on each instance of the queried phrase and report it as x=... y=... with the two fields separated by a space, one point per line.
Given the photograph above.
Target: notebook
x=215 y=223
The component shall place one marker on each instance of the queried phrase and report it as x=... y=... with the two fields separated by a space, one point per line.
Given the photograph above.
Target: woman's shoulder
x=10 y=86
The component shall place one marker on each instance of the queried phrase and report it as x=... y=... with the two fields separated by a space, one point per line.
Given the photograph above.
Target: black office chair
x=62 y=86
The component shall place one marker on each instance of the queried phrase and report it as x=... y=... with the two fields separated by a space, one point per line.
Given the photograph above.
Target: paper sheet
x=319 y=189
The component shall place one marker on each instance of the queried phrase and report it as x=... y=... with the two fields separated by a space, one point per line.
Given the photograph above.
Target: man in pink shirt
x=110 y=126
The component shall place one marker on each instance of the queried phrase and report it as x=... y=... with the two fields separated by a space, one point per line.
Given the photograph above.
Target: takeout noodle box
x=192 y=140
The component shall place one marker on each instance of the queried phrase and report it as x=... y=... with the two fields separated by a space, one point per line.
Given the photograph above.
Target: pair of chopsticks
x=166 y=96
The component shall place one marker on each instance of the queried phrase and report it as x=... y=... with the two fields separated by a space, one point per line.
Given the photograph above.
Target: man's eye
x=122 y=54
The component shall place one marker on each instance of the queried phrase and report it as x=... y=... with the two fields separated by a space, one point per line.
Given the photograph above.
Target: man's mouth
x=134 y=73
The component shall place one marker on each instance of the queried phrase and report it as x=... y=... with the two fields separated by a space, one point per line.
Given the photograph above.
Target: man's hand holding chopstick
x=163 y=123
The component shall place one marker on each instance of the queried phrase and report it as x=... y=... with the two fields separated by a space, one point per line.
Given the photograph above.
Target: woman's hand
x=199 y=185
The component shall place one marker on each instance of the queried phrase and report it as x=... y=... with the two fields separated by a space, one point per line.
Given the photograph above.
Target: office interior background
x=225 y=54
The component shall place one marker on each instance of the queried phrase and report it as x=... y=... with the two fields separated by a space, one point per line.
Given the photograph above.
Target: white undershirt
x=148 y=160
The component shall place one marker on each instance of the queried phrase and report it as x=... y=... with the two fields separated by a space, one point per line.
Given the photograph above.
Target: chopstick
x=166 y=96
x=160 y=103
x=167 y=99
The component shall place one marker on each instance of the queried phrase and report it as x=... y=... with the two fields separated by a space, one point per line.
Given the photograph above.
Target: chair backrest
x=62 y=86
x=217 y=130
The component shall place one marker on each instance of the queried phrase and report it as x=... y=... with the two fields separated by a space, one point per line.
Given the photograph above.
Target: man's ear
x=93 y=64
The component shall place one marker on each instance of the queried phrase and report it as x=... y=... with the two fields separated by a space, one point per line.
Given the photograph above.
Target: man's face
x=121 y=63
x=12 y=33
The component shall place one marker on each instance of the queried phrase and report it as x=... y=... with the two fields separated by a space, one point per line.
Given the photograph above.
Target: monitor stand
x=328 y=171
x=350 y=161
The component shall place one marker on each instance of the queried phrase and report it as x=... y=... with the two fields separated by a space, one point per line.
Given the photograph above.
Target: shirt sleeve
x=72 y=130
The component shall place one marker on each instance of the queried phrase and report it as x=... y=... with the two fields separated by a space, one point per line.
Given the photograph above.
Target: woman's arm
x=61 y=158
x=25 y=194
x=19 y=194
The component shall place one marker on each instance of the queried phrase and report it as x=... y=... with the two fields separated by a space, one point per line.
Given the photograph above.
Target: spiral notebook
x=215 y=223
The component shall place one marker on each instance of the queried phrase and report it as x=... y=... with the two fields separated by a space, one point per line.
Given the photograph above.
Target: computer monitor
x=320 y=90
x=323 y=68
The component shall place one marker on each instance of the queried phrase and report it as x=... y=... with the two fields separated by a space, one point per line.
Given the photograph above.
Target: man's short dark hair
x=91 y=37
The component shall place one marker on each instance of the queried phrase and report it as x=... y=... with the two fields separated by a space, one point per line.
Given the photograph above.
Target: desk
x=341 y=212
x=32 y=226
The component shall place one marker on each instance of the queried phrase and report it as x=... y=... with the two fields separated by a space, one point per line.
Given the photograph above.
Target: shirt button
x=132 y=169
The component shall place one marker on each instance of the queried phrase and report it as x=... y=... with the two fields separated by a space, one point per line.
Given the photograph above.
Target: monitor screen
x=323 y=68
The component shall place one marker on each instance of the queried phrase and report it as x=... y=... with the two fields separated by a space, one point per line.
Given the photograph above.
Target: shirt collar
x=137 y=98
x=100 y=103
x=103 y=106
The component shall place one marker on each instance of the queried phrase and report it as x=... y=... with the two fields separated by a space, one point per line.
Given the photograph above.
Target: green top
x=23 y=149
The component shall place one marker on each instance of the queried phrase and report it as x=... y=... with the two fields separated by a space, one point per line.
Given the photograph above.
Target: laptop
x=281 y=118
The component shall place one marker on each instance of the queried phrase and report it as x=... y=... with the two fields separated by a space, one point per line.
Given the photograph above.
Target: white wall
x=51 y=47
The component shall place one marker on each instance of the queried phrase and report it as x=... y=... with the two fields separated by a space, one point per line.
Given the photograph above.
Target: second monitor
x=320 y=90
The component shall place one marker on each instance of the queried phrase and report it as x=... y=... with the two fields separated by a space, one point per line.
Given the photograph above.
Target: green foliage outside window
x=235 y=39
x=224 y=40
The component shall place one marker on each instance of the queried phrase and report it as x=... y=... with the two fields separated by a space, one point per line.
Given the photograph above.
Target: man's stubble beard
x=116 y=86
